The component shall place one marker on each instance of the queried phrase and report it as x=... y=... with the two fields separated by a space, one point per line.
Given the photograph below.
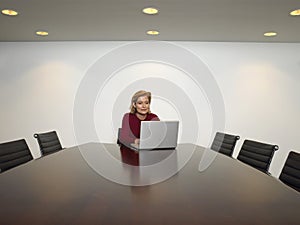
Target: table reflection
x=148 y=157
x=145 y=166
x=130 y=167
x=129 y=156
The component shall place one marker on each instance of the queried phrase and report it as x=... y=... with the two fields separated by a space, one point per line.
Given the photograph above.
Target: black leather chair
x=257 y=154
x=118 y=139
x=224 y=143
x=14 y=153
x=290 y=173
x=48 y=142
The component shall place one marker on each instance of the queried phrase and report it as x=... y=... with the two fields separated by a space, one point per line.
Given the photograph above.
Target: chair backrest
x=224 y=143
x=14 y=153
x=257 y=154
x=118 y=138
x=290 y=173
x=48 y=142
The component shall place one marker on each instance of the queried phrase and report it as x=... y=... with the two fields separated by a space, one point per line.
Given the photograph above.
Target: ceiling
x=178 y=20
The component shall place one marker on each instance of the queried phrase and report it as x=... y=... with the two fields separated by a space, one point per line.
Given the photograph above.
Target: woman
x=131 y=123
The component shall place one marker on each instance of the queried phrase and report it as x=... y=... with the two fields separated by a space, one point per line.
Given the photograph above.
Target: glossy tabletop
x=100 y=184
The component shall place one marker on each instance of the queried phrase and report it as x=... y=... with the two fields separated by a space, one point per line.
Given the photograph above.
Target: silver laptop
x=158 y=135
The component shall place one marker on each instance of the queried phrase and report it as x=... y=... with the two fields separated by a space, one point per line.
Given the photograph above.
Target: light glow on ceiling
x=270 y=34
x=9 y=12
x=42 y=33
x=153 y=32
x=150 y=10
x=295 y=12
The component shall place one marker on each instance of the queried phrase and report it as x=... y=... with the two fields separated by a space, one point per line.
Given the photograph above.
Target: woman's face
x=142 y=105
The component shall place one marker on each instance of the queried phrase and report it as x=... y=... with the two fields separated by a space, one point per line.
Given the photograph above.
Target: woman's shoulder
x=129 y=115
x=152 y=116
x=126 y=116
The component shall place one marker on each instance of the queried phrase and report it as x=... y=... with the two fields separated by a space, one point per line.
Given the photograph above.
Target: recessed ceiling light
x=295 y=12
x=9 y=12
x=153 y=32
x=150 y=10
x=270 y=34
x=42 y=33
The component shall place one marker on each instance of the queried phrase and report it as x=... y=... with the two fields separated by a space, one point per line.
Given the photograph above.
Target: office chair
x=48 y=142
x=257 y=154
x=118 y=139
x=290 y=173
x=224 y=143
x=14 y=153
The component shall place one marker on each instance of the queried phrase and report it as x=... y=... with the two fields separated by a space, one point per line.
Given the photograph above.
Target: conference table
x=99 y=183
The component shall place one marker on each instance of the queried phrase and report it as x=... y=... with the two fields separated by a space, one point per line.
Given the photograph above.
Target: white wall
x=259 y=85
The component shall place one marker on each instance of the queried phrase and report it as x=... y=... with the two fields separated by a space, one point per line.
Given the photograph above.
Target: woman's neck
x=141 y=116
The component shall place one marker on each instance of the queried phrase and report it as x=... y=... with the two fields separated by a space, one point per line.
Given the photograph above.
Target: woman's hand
x=137 y=141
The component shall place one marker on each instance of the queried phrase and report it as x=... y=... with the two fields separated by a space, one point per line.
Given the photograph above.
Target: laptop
x=157 y=135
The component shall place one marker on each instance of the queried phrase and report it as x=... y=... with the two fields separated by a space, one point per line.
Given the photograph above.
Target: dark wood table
x=66 y=188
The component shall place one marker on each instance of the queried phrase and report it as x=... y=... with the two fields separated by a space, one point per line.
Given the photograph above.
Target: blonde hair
x=135 y=98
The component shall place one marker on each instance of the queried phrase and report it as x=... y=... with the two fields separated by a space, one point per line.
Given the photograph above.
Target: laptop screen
x=158 y=134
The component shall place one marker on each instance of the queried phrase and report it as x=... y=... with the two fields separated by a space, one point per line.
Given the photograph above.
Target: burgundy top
x=131 y=125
